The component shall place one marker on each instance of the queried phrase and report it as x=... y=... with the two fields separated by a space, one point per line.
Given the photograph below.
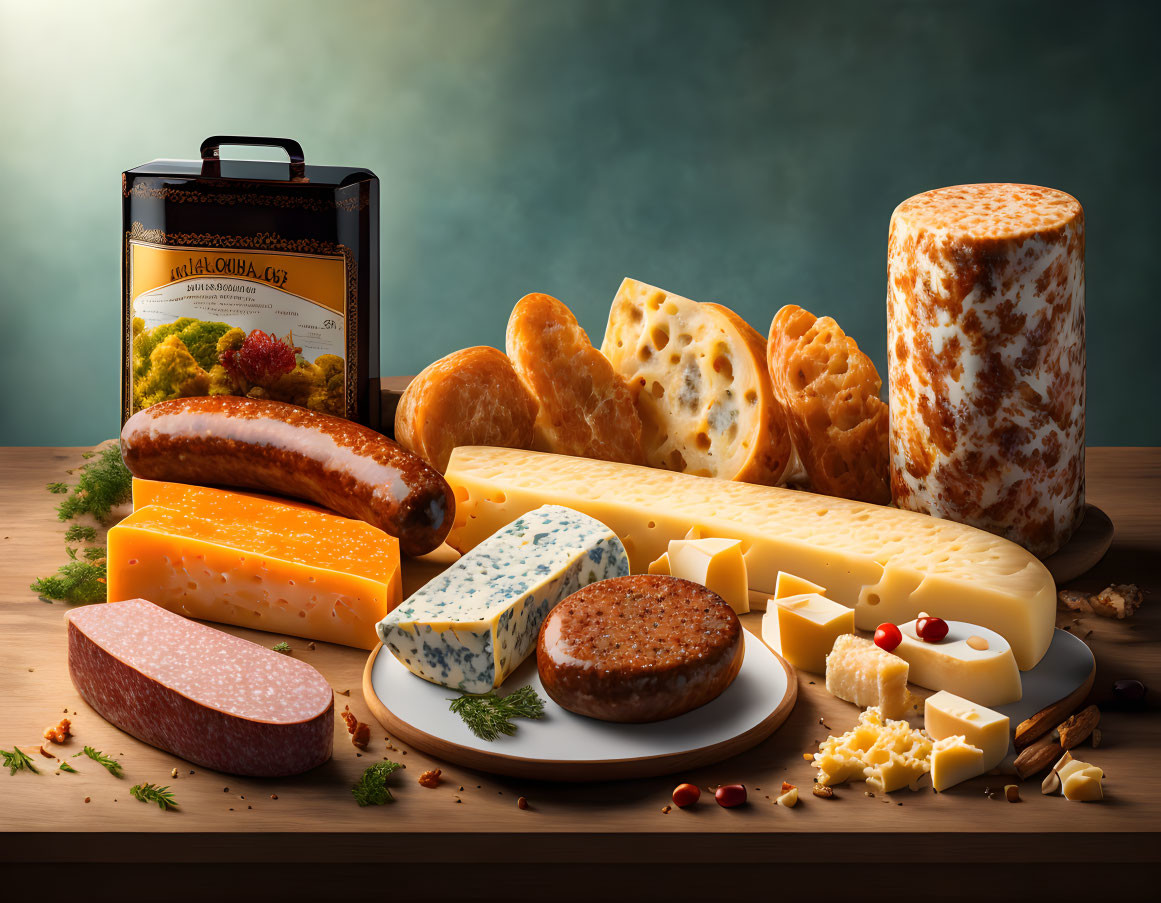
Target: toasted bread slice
x=586 y=409
x=470 y=397
x=698 y=375
x=829 y=392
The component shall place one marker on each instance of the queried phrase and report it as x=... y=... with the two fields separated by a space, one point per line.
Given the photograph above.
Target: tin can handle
x=211 y=156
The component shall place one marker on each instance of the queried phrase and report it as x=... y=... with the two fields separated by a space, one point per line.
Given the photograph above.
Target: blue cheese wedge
x=474 y=624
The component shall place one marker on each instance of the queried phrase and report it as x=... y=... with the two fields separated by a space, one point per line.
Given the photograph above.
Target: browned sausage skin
x=290 y=450
x=636 y=649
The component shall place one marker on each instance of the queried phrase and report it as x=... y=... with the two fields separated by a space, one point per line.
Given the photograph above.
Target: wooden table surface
x=307 y=833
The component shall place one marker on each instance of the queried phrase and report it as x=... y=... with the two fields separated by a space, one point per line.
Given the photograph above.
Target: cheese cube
x=475 y=623
x=236 y=559
x=954 y=760
x=789 y=585
x=971 y=661
x=803 y=629
x=860 y=672
x=716 y=564
x=948 y=715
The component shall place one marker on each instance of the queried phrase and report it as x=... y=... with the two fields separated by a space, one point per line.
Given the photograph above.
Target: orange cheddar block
x=183 y=495
x=235 y=559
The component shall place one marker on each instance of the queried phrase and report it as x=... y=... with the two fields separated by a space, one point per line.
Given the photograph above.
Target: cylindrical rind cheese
x=985 y=328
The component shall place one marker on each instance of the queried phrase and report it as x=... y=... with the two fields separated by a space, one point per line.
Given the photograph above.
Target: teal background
x=749 y=153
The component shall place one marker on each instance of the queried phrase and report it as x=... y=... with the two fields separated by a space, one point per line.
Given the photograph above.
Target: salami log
x=267 y=445
x=211 y=698
x=469 y=397
x=985 y=328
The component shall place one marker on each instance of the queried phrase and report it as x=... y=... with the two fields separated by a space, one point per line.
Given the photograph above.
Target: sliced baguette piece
x=698 y=376
x=585 y=407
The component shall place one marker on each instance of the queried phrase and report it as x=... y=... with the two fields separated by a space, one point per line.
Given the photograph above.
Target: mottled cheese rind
x=986 y=676
x=986 y=353
x=237 y=559
x=475 y=623
x=890 y=564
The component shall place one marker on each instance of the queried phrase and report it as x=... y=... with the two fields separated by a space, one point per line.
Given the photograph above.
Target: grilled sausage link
x=290 y=450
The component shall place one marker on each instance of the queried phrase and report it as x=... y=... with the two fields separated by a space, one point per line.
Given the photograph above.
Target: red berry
x=931 y=630
x=888 y=636
x=686 y=795
x=730 y=795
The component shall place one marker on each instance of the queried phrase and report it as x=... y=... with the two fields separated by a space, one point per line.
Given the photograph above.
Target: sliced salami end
x=211 y=698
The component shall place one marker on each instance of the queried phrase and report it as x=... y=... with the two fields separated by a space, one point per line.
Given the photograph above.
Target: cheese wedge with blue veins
x=475 y=623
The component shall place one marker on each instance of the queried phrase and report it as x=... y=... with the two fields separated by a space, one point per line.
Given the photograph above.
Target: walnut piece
x=60 y=733
x=360 y=732
x=1117 y=601
x=1072 y=600
x=430 y=778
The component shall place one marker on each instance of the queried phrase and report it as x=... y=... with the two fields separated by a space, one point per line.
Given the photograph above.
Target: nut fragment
x=1051 y=783
x=1117 y=601
x=430 y=778
x=789 y=799
x=1012 y=793
x=1035 y=758
x=1075 y=730
x=522 y=803
x=978 y=643
x=822 y=791
x=1072 y=600
x=1096 y=737
x=60 y=732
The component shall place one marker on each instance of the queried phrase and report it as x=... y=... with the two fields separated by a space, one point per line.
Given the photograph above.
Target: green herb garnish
x=16 y=760
x=488 y=715
x=100 y=758
x=65 y=766
x=57 y=488
x=372 y=787
x=283 y=647
x=151 y=793
x=80 y=533
x=78 y=581
x=103 y=484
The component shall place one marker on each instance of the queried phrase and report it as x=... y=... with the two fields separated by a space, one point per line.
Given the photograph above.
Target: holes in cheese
x=706 y=406
x=890 y=564
x=469 y=397
x=585 y=407
x=224 y=556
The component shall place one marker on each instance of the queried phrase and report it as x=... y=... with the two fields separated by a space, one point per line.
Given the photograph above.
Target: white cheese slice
x=475 y=623
x=971 y=661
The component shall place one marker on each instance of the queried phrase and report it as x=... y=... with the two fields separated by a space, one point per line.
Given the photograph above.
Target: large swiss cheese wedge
x=889 y=565
x=698 y=375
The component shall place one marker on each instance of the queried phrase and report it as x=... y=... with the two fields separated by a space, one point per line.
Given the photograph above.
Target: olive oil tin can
x=254 y=278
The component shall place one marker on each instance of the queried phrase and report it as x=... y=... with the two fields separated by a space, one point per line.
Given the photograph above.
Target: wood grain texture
x=604 y=770
x=315 y=820
x=1084 y=549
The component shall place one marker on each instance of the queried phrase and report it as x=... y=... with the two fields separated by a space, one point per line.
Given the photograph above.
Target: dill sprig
x=81 y=582
x=113 y=766
x=283 y=647
x=103 y=484
x=17 y=760
x=488 y=715
x=372 y=787
x=80 y=533
x=151 y=793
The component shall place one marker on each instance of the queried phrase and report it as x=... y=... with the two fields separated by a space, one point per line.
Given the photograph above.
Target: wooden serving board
x=1084 y=549
x=563 y=746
